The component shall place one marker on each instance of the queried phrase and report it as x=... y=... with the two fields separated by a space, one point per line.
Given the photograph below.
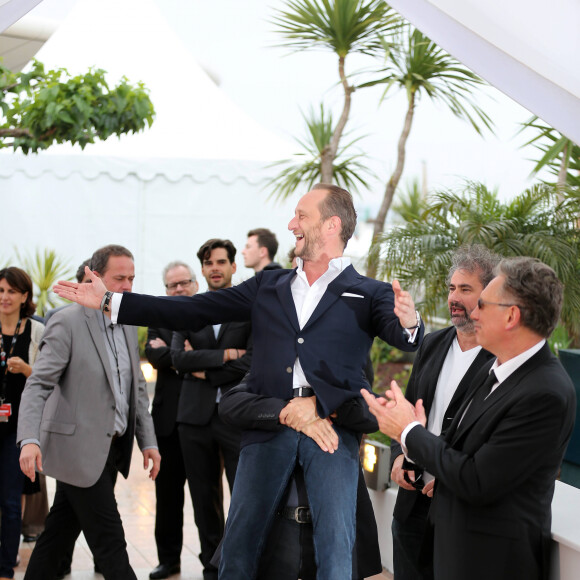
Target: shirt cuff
x=150 y=447
x=27 y=441
x=412 y=334
x=404 y=437
x=115 y=305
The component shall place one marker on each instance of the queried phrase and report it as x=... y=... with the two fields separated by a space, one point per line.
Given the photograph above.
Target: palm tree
x=420 y=67
x=347 y=168
x=535 y=223
x=559 y=154
x=344 y=27
x=45 y=269
x=410 y=204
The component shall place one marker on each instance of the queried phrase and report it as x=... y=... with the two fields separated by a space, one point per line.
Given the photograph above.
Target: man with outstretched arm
x=313 y=327
x=496 y=466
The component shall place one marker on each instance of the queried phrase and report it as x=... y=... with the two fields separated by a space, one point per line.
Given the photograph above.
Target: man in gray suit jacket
x=82 y=405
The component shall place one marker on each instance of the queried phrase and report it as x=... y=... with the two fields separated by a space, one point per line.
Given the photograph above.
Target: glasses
x=182 y=283
x=481 y=303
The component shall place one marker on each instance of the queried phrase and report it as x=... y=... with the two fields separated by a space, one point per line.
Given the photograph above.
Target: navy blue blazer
x=332 y=347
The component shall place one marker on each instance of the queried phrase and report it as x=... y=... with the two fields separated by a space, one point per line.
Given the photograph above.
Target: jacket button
x=288 y=369
x=113 y=407
x=109 y=435
x=300 y=340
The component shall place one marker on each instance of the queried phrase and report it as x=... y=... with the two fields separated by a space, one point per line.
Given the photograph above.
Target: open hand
x=89 y=295
x=322 y=431
x=404 y=306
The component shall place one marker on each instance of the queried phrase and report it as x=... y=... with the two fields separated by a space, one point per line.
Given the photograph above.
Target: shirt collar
x=338 y=264
x=503 y=371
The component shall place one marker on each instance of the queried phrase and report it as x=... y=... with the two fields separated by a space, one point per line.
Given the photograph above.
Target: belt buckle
x=302 y=515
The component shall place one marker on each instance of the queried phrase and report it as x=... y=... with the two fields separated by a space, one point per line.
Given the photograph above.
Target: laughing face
x=306 y=225
x=464 y=290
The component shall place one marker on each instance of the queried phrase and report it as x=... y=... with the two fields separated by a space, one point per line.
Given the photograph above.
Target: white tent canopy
x=198 y=173
x=12 y=10
x=528 y=49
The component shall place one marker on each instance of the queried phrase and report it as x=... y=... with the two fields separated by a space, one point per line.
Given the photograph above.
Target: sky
x=236 y=42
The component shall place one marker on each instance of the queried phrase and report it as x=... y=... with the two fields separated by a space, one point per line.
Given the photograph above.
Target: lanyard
x=4 y=357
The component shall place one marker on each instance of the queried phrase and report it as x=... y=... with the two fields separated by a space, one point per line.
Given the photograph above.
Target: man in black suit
x=443 y=369
x=212 y=360
x=496 y=466
x=313 y=328
x=179 y=280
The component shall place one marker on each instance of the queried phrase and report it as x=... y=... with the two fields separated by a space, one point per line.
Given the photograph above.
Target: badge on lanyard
x=5 y=412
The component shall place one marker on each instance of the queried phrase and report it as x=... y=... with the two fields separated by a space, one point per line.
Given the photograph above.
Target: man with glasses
x=443 y=369
x=179 y=280
x=212 y=360
x=497 y=463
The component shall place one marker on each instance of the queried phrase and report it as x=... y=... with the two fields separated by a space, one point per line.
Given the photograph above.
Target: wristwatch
x=106 y=301
x=418 y=322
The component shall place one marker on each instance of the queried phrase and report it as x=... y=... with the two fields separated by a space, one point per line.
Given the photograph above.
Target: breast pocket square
x=350 y=295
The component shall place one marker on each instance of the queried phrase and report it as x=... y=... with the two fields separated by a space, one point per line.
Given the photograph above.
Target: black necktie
x=478 y=400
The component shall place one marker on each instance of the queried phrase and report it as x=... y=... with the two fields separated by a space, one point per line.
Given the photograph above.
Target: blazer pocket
x=495 y=527
x=59 y=427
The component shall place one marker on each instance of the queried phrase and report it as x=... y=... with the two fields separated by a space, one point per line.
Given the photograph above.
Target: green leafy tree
x=40 y=108
x=536 y=223
x=343 y=27
x=45 y=268
x=559 y=154
x=347 y=168
x=418 y=66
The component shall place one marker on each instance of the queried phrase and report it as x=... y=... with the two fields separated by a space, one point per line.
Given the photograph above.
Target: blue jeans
x=11 y=483
x=263 y=473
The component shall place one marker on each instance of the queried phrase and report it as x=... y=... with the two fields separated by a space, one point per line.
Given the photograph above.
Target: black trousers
x=92 y=510
x=207 y=451
x=288 y=553
x=170 y=496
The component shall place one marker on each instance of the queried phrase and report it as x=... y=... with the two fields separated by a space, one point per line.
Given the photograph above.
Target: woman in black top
x=16 y=354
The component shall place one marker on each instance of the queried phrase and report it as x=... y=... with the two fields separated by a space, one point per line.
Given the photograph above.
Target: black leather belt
x=300 y=514
x=303 y=392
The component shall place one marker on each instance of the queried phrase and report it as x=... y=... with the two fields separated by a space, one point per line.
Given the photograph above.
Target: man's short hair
x=266 y=239
x=81 y=270
x=475 y=259
x=536 y=289
x=177 y=264
x=100 y=259
x=338 y=203
x=205 y=251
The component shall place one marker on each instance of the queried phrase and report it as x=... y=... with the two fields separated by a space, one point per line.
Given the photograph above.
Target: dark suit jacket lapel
x=97 y=336
x=504 y=388
x=347 y=279
x=284 y=292
x=466 y=383
x=222 y=330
